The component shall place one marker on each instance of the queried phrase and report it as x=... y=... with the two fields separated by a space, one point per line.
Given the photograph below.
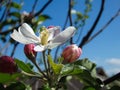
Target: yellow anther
x=44 y=36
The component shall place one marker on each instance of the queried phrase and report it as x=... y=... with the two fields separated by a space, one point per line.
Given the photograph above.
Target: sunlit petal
x=20 y=38
x=52 y=45
x=27 y=31
x=39 y=48
x=53 y=32
x=63 y=36
x=27 y=28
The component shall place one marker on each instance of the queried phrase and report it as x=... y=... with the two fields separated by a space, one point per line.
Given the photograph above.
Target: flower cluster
x=48 y=38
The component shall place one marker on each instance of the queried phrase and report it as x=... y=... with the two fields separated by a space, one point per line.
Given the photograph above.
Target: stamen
x=44 y=36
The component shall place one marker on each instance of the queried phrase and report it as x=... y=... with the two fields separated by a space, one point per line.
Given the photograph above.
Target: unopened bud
x=30 y=52
x=7 y=65
x=71 y=53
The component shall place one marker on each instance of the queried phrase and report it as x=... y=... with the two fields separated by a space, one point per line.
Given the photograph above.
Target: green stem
x=28 y=74
x=48 y=62
x=45 y=63
x=40 y=69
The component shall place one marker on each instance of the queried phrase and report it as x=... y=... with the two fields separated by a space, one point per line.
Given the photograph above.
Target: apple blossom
x=49 y=38
x=71 y=53
x=7 y=65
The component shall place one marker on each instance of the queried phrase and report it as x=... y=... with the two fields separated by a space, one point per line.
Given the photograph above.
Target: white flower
x=48 y=38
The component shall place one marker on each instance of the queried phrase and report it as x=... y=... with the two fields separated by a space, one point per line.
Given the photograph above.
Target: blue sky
x=104 y=50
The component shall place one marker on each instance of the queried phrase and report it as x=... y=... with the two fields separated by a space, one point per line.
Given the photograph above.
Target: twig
x=5 y=46
x=70 y=17
x=14 y=48
x=86 y=37
x=34 y=5
x=8 y=30
x=69 y=12
x=111 y=79
x=43 y=8
x=103 y=28
x=5 y=11
x=65 y=22
x=39 y=69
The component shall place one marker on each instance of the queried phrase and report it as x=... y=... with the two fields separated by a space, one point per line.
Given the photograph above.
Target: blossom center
x=44 y=36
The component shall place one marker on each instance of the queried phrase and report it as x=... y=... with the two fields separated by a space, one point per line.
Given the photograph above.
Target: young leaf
x=15 y=14
x=16 y=86
x=71 y=69
x=56 y=67
x=88 y=80
x=43 y=17
x=24 y=67
x=8 y=77
x=90 y=66
x=16 y=5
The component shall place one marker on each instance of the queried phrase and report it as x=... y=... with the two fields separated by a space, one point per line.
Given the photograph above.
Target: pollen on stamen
x=44 y=36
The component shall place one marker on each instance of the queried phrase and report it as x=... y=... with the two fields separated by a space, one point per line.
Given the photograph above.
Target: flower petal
x=52 y=45
x=39 y=48
x=27 y=28
x=27 y=31
x=53 y=32
x=62 y=37
x=20 y=38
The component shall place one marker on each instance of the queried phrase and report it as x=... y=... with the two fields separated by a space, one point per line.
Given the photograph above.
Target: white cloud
x=113 y=61
x=112 y=65
x=113 y=71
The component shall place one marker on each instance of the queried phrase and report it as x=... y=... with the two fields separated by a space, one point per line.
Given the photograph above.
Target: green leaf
x=79 y=15
x=43 y=17
x=15 y=5
x=88 y=80
x=115 y=87
x=8 y=77
x=45 y=87
x=90 y=66
x=56 y=67
x=23 y=66
x=71 y=69
x=89 y=88
x=16 y=86
x=8 y=22
x=15 y=14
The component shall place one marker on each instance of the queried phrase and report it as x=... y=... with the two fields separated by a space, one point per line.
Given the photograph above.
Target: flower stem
x=40 y=69
x=45 y=63
x=48 y=61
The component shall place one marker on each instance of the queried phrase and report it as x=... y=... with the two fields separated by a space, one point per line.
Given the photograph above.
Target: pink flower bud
x=7 y=65
x=71 y=53
x=50 y=27
x=30 y=52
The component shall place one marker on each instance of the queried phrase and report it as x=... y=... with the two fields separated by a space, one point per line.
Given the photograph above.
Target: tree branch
x=8 y=30
x=103 y=28
x=14 y=48
x=34 y=5
x=86 y=37
x=42 y=9
x=70 y=17
x=111 y=79
x=69 y=12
